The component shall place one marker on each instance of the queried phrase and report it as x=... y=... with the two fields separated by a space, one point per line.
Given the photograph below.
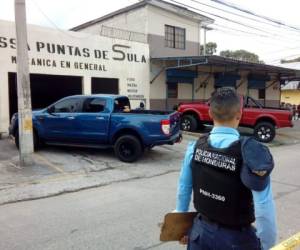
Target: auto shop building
x=64 y=63
x=178 y=70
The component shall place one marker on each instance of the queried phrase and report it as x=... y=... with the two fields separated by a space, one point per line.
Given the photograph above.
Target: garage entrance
x=45 y=89
x=105 y=85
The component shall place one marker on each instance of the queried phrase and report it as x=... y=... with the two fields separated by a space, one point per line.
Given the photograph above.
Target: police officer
x=229 y=178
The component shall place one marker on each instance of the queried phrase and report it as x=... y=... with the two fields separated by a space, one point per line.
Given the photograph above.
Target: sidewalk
x=58 y=170
x=284 y=136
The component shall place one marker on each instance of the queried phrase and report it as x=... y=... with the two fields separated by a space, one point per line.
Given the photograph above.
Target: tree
x=242 y=55
x=211 y=48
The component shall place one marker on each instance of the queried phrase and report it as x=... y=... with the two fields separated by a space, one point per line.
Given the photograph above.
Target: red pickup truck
x=263 y=120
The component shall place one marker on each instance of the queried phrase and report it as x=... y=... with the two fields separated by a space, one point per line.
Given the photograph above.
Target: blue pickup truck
x=102 y=121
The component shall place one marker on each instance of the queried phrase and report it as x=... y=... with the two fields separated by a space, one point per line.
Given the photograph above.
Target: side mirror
x=142 y=105
x=51 y=110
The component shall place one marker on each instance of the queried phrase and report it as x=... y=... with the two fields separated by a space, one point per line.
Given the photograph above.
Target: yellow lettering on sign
x=289 y=244
x=27 y=125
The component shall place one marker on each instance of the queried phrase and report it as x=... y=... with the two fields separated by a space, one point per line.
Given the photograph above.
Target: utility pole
x=23 y=82
x=204 y=42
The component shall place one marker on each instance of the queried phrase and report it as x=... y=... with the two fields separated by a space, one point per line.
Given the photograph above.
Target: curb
x=275 y=143
x=46 y=188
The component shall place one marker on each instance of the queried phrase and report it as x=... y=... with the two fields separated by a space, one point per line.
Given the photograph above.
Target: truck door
x=58 y=122
x=93 y=121
x=250 y=111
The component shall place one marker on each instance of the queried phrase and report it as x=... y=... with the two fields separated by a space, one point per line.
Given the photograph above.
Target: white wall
x=148 y=20
x=185 y=91
x=126 y=71
x=204 y=86
x=158 y=86
x=158 y=18
x=273 y=92
x=134 y=20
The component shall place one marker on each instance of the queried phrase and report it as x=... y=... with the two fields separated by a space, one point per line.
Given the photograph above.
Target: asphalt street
x=125 y=215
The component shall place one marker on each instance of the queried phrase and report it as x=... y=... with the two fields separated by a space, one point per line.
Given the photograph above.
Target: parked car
x=263 y=120
x=102 y=121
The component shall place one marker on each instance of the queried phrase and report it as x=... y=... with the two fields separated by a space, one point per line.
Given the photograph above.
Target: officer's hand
x=184 y=240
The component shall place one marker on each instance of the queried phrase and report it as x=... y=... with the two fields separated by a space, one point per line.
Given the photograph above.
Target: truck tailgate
x=175 y=122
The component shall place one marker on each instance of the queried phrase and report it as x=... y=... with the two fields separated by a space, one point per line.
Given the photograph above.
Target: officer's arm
x=265 y=217
x=184 y=189
x=255 y=174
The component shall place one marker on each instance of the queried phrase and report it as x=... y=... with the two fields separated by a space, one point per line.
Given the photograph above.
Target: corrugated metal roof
x=224 y=61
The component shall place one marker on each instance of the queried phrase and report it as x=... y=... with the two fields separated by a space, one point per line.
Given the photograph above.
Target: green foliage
x=211 y=48
x=241 y=54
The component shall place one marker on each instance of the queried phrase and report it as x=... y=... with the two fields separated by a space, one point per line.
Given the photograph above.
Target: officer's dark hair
x=224 y=104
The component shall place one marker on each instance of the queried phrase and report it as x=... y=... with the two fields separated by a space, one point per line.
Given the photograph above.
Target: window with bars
x=174 y=37
x=172 y=90
x=261 y=93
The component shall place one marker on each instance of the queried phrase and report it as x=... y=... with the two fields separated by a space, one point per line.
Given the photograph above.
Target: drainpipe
x=199 y=38
x=204 y=42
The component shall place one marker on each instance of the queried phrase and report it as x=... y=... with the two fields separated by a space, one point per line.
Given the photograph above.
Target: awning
x=226 y=65
x=181 y=76
x=226 y=80
x=257 y=81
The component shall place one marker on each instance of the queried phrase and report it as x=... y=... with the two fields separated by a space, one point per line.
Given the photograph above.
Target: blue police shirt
x=222 y=137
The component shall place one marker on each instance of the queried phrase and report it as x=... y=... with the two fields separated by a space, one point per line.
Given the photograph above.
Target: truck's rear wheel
x=189 y=123
x=128 y=148
x=264 y=132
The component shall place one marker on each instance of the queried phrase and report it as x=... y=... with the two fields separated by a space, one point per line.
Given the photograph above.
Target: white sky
x=280 y=43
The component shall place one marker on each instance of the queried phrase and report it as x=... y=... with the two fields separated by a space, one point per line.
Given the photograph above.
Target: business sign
x=61 y=52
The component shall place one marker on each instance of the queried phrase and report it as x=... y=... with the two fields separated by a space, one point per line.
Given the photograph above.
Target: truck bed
x=149 y=112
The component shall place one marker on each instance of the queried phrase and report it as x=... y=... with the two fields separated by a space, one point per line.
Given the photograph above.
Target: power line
x=276 y=51
x=228 y=31
x=243 y=31
x=249 y=12
x=246 y=17
x=232 y=21
x=54 y=24
x=226 y=19
x=250 y=33
x=233 y=13
x=286 y=58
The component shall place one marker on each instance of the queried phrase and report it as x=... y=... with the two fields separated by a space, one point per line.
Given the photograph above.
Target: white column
x=199 y=37
x=86 y=85
x=204 y=42
x=4 y=103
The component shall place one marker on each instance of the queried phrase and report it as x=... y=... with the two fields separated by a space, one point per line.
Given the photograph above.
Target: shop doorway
x=45 y=89
x=105 y=85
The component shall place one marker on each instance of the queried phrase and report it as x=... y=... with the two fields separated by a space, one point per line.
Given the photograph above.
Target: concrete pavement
x=62 y=170
x=125 y=216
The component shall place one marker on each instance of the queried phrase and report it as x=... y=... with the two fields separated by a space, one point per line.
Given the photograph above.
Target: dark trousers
x=206 y=235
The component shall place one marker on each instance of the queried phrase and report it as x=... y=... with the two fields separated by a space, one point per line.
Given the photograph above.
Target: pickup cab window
x=120 y=104
x=71 y=105
x=94 y=105
x=251 y=103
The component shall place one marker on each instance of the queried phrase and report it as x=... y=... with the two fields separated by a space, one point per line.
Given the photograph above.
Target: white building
x=64 y=63
x=149 y=51
x=178 y=72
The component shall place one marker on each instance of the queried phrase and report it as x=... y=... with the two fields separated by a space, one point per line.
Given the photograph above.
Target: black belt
x=232 y=227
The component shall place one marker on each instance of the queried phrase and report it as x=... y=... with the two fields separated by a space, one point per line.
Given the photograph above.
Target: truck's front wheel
x=36 y=140
x=188 y=123
x=264 y=132
x=128 y=148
